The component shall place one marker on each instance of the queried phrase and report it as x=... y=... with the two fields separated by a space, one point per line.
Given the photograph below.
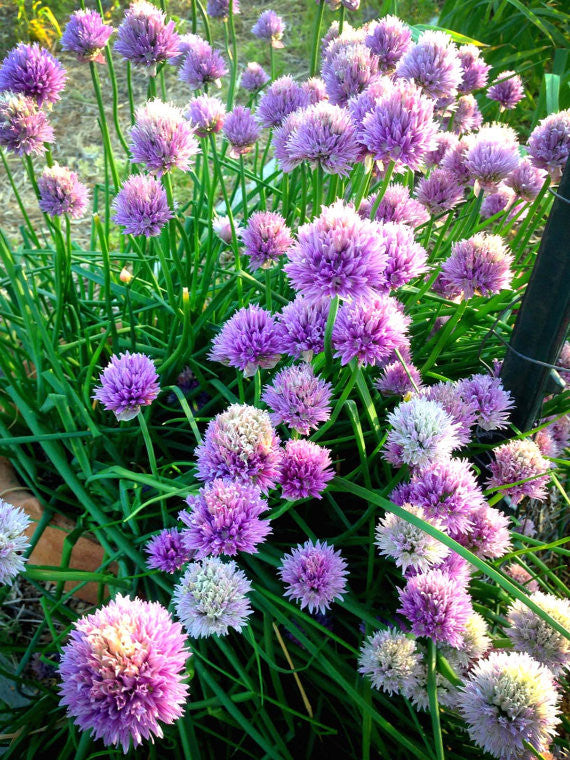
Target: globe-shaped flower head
x=270 y=27
x=13 y=523
x=516 y=461
x=206 y=115
x=348 y=72
x=61 y=192
x=86 y=35
x=24 y=128
x=389 y=39
x=254 y=77
x=393 y=662
x=265 y=238
x=201 y=65
x=314 y=575
x=298 y=398
x=526 y=180
x=493 y=153
x=34 y=72
x=434 y=65
x=507 y=90
x=128 y=383
x=141 y=206
x=221 y=8
x=166 y=551
x=144 y=37
x=248 y=341
x=281 y=98
x=492 y=403
x=305 y=470
x=479 y=265
x=488 y=535
x=162 y=138
x=549 y=143
x=301 y=327
x=396 y=206
x=474 y=70
x=241 y=131
x=122 y=670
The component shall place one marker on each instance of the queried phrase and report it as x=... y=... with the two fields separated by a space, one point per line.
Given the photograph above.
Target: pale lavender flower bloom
x=526 y=180
x=211 y=598
x=531 y=634
x=13 y=542
x=206 y=115
x=500 y=200
x=315 y=89
x=348 y=72
x=161 y=138
x=305 y=470
x=519 y=460
x=369 y=330
x=549 y=143
x=400 y=127
x=521 y=576
x=241 y=131
x=396 y=206
x=437 y=605
x=301 y=327
x=466 y=117
x=224 y=519
x=443 y=142
x=240 y=444
x=407 y=545
x=492 y=155
x=144 y=37
x=361 y=104
x=32 y=71
x=406 y=258
x=508 y=699
x=86 y=35
x=337 y=254
x=166 y=551
x=61 y=192
x=455 y=161
x=389 y=39
x=488 y=535
x=475 y=71
x=479 y=265
x=280 y=99
x=122 y=672
x=202 y=65
x=392 y=661
x=298 y=398
x=248 y=341
x=433 y=63
x=266 y=238
x=422 y=433
x=395 y=380
x=439 y=192
x=460 y=410
x=186 y=42
x=507 y=90
x=270 y=27
x=281 y=136
x=254 y=77
x=128 y=383
x=476 y=642
x=314 y=574
x=492 y=403
x=24 y=128
x=221 y=8
x=141 y=206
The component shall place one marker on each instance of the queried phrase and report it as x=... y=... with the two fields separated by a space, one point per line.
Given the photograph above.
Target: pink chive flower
x=122 y=672
x=488 y=535
x=280 y=99
x=270 y=27
x=455 y=162
x=301 y=327
x=492 y=155
x=516 y=461
x=61 y=192
x=461 y=411
x=206 y=115
x=254 y=77
x=34 y=72
x=389 y=39
x=266 y=238
x=241 y=131
x=161 y=138
x=86 y=35
x=474 y=70
x=24 y=128
x=479 y=265
x=434 y=65
x=521 y=576
x=298 y=398
x=507 y=90
x=166 y=551
x=492 y=403
x=141 y=206
x=314 y=575
x=144 y=37
x=526 y=180
x=224 y=518
x=549 y=143
x=466 y=117
x=306 y=468
x=439 y=192
x=128 y=383
x=396 y=206
x=248 y=341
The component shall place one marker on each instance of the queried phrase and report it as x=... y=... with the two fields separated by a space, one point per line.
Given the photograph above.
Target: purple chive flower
x=324 y=136
x=265 y=238
x=348 y=72
x=520 y=460
x=86 y=35
x=389 y=39
x=434 y=65
x=240 y=444
x=270 y=27
x=490 y=400
x=224 y=519
x=509 y=699
x=122 y=672
x=395 y=380
x=254 y=77
x=281 y=137
x=186 y=42
x=507 y=90
x=202 y=65
x=13 y=523
x=206 y=115
x=306 y=469
x=314 y=574
x=459 y=409
x=337 y=254
x=32 y=71
x=211 y=598
x=61 y=192
x=359 y=105
x=248 y=341
x=526 y=180
x=466 y=117
x=301 y=327
x=166 y=551
x=407 y=545
x=400 y=127
x=439 y=192
x=241 y=131
x=479 y=265
x=488 y=534
x=298 y=399
x=396 y=206
x=144 y=37
x=161 y=138
x=315 y=89
x=443 y=142
x=436 y=605
x=422 y=433
x=446 y=490
x=501 y=199
x=474 y=70
x=24 y=128
x=221 y=8
x=548 y=144
x=281 y=98
x=128 y=383
x=492 y=155
x=369 y=330
x=455 y=162
x=393 y=662
x=141 y=206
